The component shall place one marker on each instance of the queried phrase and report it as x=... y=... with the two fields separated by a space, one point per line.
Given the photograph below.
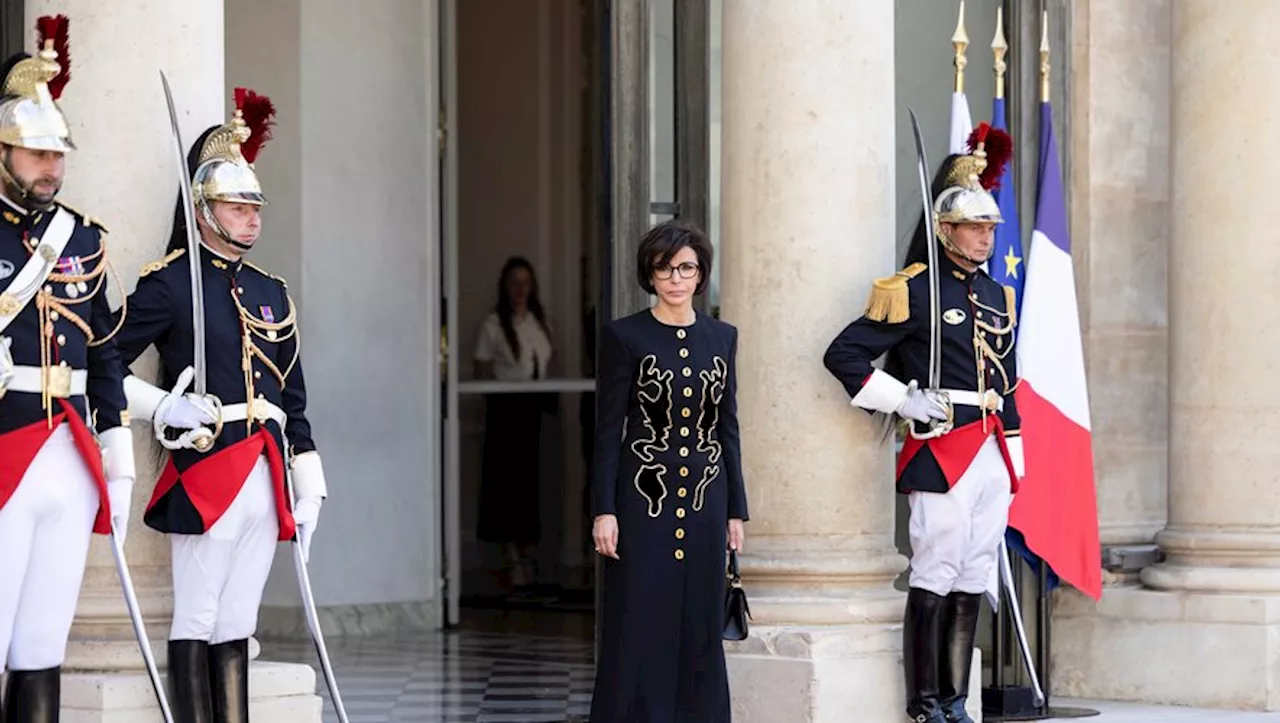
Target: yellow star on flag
x=1011 y=263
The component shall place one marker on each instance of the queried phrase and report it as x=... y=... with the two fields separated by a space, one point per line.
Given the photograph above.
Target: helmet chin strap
x=209 y=218
x=14 y=190
x=948 y=245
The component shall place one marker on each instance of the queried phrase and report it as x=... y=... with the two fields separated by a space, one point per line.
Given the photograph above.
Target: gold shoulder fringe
x=1011 y=304
x=266 y=273
x=890 y=300
x=155 y=266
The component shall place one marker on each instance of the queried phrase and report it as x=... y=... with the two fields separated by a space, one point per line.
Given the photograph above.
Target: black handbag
x=736 y=610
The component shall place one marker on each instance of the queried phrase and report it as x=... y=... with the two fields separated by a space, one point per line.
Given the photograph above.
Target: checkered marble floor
x=480 y=677
x=457 y=677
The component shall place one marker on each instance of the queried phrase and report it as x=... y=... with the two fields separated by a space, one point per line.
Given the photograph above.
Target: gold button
x=680 y=512
x=48 y=289
x=685 y=412
x=680 y=333
x=679 y=533
x=62 y=340
x=683 y=492
x=684 y=451
x=684 y=472
x=684 y=353
x=687 y=372
x=257 y=375
x=679 y=554
x=53 y=315
x=684 y=431
x=688 y=391
x=240 y=290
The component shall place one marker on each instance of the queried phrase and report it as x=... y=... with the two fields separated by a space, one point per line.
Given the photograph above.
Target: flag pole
x=1042 y=596
x=1000 y=644
x=960 y=41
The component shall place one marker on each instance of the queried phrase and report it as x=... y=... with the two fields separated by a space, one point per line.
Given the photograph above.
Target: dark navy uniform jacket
x=159 y=313
x=968 y=301
x=104 y=405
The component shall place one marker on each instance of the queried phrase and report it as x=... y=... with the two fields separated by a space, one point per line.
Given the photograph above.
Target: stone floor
x=535 y=671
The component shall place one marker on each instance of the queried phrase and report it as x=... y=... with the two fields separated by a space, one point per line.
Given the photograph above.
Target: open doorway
x=526 y=136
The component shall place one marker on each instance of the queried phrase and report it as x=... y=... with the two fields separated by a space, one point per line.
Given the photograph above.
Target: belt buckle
x=59 y=382
x=991 y=401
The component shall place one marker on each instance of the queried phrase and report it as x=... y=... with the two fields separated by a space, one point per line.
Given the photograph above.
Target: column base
x=1204 y=650
x=277 y=691
x=825 y=674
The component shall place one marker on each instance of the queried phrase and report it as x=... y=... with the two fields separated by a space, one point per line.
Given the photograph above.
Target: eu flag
x=1005 y=264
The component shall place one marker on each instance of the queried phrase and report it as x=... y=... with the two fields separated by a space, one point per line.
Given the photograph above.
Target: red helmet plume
x=259 y=115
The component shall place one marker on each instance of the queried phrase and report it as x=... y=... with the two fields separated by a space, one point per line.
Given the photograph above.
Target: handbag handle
x=732 y=573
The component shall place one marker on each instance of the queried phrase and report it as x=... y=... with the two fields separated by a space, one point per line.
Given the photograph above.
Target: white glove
x=120 y=497
x=306 y=513
x=6 y=363
x=184 y=411
x=919 y=407
x=1014 y=445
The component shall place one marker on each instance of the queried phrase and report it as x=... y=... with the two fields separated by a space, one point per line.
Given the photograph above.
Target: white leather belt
x=262 y=411
x=64 y=382
x=994 y=401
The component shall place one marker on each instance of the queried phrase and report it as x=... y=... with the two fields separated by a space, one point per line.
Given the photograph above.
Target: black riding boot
x=922 y=636
x=229 y=671
x=958 y=652
x=189 y=681
x=32 y=696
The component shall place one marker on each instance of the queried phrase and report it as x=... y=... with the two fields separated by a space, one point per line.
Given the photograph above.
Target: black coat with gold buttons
x=668 y=465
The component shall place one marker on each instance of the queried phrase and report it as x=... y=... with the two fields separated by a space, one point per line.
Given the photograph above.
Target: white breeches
x=218 y=577
x=955 y=536
x=45 y=530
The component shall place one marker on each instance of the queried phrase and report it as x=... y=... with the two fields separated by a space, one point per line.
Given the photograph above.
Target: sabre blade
x=139 y=628
x=199 y=385
x=310 y=612
x=931 y=241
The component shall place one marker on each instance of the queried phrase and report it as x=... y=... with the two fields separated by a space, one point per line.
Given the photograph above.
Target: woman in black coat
x=667 y=493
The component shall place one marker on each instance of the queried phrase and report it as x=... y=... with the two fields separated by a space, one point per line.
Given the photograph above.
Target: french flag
x=1056 y=507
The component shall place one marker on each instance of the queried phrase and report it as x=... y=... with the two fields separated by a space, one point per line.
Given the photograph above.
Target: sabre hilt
x=934 y=427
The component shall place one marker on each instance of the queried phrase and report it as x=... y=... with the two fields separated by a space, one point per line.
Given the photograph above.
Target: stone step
x=277 y=692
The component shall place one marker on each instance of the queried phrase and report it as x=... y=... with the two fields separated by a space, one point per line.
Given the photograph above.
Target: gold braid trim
x=890 y=300
x=252 y=326
x=1011 y=304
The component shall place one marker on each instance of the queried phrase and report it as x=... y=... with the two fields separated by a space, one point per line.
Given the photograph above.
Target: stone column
x=1204 y=630
x=808 y=222
x=125 y=173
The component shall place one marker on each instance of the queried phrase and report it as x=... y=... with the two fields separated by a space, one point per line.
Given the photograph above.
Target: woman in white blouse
x=514 y=344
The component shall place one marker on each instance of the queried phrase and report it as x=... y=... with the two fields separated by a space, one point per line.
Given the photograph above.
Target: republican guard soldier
x=222 y=495
x=962 y=457
x=66 y=452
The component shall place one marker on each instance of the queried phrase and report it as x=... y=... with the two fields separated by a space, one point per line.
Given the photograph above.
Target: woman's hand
x=737 y=534
x=605 y=534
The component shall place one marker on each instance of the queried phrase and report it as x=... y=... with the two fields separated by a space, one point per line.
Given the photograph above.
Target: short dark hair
x=663 y=242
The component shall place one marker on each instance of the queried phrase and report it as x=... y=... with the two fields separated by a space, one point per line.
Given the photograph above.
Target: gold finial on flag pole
x=1000 y=46
x=960 y=41
x=1044 y=57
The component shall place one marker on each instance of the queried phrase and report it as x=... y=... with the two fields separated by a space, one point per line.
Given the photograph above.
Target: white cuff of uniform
x=117 y=453
x=881 y=393
x=144 y=399
x=308 y=477
x=1014 y=444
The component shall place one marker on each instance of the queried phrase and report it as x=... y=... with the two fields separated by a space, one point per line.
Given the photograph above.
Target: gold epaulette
x=84 y=217
x=890 y=300
x=155 y=266
x=1011 y=304
x=267 y=274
